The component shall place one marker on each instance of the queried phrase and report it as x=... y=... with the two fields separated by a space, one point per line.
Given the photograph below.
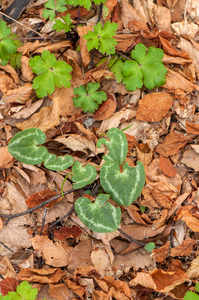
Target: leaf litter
x=66 y=260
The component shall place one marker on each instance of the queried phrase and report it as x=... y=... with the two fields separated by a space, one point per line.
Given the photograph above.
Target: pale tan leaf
x=5 y=157
x=11 y=71
x=30 y=47
x=114 y=120
x=193 y=271
x=20 y=95
x=191 y=159
x=128 y=13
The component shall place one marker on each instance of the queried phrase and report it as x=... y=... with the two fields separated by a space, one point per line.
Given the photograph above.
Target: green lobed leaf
x=102 y=38
x=7 y=45
x=24 y=146
x=88 y=98
x=53 y=73
x=52 y=8
x=147 y=68
x=117 y=146
x=123 y=187
x=99 y=216
x=197 y=287
x=66 y=25
x=58 y=163
x=83 y=175
x=116 y=64
x=191 y=296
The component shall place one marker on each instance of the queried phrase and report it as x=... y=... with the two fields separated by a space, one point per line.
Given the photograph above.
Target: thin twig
x=34 y=208
x=118 y=52
x=6 y=247
x=130 y=238
x=21 y=24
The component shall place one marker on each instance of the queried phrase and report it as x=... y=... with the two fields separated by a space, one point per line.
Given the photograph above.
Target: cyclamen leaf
x=102 y=38
x=123 y=187
x=88 y=98
x=66 y=25
x=51 y=9
x=53 y=73
x=83 y=175
x=147 y=67
x=117 y=146
x=99 y=216
x=7 y=45
x=24 y=146
x=58 y=163
x=191 y=296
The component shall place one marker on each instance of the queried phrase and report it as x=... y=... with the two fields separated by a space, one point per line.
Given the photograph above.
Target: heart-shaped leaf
x=117 y=146
x=58 y=163
x=83 y=175
x=24 y=146
x=123 y=187
x=98 y=216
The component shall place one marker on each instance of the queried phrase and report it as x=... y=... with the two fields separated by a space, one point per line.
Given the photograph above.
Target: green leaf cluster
x=146 y=68
x=102 y=38
x=24 y=292
x=51 y=73
x=51 y=9
x=7 y=45
x=89 y=98
x=66 y=25
x=86 y=3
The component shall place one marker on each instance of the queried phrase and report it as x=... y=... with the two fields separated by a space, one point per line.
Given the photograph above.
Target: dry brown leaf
x=30 y=47
x=54 y=254
x=193 y=271
x=77 y=289
x=66 y=233
x=27 y=73
x=175 y=81
x=192 y=127
x=51 y=275
x=54 y=47
x=168 y=59
x=172 y=144
x=27 y=111
x=159 y=280
x=11 y=71
x=37 y=198
x=163 y=23
x=59 y=291
x=114 y=120
x=168 y=49
x=126 y=41
x=133 y=212
x=144 y=154
x=166 y=166
x=137 y=26
x=45 y=119
x=6 y=82
x=82 y=42
x=106 y=109
x=110 y=4
x=20 y=95
x=153 y=107
x=100 y=259
x=5 y=158
x=161 y=253
x=184 y=249
x=89 y=134
x=128 y=13
x=191 y=159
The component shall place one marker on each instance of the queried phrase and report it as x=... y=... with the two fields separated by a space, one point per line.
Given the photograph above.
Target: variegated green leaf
x=58 y=163
x=99 y=216
x=117 y=146
x=123 y=187
x=24 y=146
x=83 y=175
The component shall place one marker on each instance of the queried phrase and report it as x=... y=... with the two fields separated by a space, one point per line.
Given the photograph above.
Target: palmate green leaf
x=102 y=38
x=66 y=25
x=7 y=45
x=89 y=98
x=147 y=68
x=83 y=175
x=24 y=146
x=123 y=187
x=52 y=8
x=99 y=216
x=53 y=73
x=24 y=292
x=117 y=146
x=58 y=163
x=191 y=296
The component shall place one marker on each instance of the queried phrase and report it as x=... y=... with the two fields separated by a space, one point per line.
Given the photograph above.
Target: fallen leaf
x=27 y=73
x=59 y=291
x=172 y=144
x=38 y=198
x=66 y=233
x=184 y=249
x=5 y=158
x=82 y=42
x=191 y=159
x=166 y=166
x=106 y=109
x=193 y=271
x=129 y=13
x=51 y=275
x=8 y=285
x=20 y=95
x=161 y=253
x=6 y=82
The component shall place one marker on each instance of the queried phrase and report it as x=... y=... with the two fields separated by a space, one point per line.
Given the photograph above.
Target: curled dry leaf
x=106 y=109
x=193 y=271
x=192 y=127
x=163 y=24
x=11 y=71
x=30 y=47
x=59 y=291
x=38 y=198
x=161 y=253
x=27 y=73
x=51 y=275
x=82 y=42
x=20 y=95
x=172 y=144
x=159 y=280
x=8 y=285
x=6 y=82
x=53 y=47
x=184 y=249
